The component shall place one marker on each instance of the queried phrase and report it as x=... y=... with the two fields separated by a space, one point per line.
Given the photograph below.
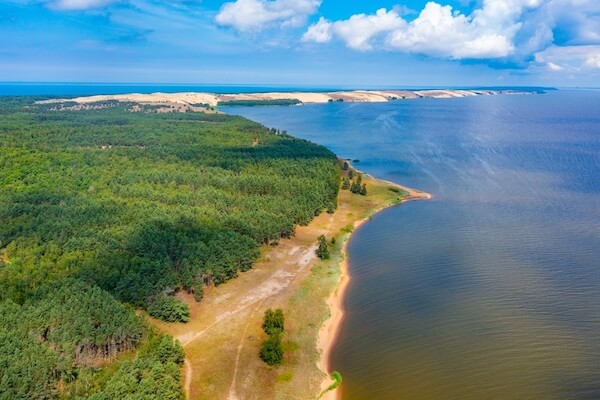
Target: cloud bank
x=513 y=30
x=437 y=31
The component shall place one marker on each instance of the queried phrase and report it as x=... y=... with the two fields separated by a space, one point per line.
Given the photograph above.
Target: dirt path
x=232 y=395
x=188 y=378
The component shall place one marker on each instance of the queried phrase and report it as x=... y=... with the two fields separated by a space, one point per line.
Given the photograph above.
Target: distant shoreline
x=300 y=97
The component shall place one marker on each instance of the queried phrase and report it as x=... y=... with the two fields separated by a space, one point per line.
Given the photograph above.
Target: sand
x=212 y=99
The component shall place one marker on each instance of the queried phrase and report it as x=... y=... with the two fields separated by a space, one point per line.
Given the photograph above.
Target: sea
x=491 y=289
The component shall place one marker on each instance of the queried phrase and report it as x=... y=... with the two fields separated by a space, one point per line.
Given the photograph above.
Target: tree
x=273 y=321
x=169 y=309
x=271 y=350
x=323 y=249
x=351 y=174
x=363 y=189
x=357 y=185
x=164 y=349
x=198 y=292
x=346 y=166
x=346 y=184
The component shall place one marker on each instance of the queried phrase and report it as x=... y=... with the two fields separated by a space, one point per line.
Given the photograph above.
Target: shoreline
x=203 y=99
x=330 y=330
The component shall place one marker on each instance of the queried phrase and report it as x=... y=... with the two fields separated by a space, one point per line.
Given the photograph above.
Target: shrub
x=271 y=350
x=273 y=322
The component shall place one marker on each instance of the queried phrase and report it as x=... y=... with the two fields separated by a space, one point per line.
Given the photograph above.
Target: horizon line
x=292 y=85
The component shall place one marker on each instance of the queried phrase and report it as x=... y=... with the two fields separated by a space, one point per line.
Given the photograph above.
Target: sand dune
x=212 y=99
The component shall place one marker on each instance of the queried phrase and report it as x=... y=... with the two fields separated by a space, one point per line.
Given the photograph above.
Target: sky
x=359 y=43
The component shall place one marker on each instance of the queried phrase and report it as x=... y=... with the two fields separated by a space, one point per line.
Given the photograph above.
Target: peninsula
x=117 y=210
x=190 y=100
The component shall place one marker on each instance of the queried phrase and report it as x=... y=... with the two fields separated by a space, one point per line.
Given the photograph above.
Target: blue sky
x=303 y=42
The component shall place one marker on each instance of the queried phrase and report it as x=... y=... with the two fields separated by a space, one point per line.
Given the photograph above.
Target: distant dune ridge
x=213 y=99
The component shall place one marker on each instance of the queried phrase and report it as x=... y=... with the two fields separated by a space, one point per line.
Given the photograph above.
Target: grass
x=337 y=381
x=287 y=376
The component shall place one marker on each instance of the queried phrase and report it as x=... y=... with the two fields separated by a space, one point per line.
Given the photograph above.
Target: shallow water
x=492 y=289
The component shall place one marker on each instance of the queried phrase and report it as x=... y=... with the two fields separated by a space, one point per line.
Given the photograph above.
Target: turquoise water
x=492 y=289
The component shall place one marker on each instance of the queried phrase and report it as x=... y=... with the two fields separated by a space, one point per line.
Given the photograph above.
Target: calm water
x=492 y=289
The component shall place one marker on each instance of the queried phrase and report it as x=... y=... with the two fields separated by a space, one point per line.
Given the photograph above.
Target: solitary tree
x=323 y=250
x=346 y=166
x=351 y=174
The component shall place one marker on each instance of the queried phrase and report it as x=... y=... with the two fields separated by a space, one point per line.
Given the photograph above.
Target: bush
x=273 y=322
x=169 y=309
x=271 y=350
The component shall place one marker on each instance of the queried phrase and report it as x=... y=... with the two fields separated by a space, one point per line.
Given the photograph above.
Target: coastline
x=330 y=329
x=194 y=100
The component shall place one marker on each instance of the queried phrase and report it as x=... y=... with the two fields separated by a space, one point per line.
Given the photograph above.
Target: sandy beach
x=330 y=330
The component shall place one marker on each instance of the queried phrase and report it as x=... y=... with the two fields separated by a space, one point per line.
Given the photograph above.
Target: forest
x=103 y=211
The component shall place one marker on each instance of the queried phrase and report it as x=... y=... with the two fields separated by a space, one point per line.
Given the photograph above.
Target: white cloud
x=319 y=32
x=554 y=67
x=78 y=4
x=488 y=32
x=593 y=60
x=255 y=15
x=357 y=31
x=360 y=29
x=437 y=31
